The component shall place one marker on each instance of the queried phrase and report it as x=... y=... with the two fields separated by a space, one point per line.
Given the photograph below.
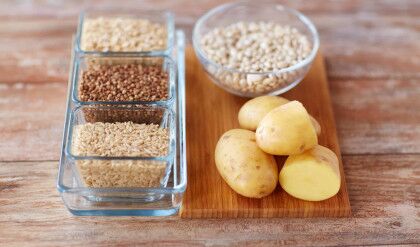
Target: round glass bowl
x=252 y=84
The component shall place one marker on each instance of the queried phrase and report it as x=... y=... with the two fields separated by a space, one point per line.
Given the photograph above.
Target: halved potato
x=312 y=176
x=286 y=130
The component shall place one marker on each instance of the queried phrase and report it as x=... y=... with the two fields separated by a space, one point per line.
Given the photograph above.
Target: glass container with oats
x=122 y=146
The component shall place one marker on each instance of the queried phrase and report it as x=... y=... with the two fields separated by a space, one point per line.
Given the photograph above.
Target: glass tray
x=163 y=200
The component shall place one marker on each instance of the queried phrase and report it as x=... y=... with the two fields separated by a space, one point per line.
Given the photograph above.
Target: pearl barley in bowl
x=252 y=49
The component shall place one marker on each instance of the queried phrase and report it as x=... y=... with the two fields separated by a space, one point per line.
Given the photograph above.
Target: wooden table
x=372 y=52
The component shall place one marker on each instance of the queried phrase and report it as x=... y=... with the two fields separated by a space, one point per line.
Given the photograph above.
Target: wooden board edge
x=347 y=211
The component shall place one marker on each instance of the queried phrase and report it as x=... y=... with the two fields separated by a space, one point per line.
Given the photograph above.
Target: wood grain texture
x=365 y=123
x=384 y=192
x=210 y=112
x=361 y=38
x=372 y=56
x=35 y=39
x=31 y=120
x=377 y=116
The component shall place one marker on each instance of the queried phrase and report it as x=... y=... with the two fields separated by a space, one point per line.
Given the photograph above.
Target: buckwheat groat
x=116 y=140
x=122 y=34
x=123 y=82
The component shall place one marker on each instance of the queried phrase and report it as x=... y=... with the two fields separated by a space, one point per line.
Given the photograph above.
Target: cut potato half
x=286 y=130
x=312 y=176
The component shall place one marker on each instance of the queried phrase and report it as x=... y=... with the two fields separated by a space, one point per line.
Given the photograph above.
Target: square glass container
x=122 y=171
x=164 y=18
x=162 y=199
x=85 y=61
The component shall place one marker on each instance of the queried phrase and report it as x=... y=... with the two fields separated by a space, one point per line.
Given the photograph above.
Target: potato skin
x=244 y=166
x=316 y=125
x=286 y=130
x=312 y=176
x=254 y=110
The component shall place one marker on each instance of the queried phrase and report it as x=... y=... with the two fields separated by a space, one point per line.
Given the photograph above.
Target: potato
x=244 y=166
x=312 y=176
x=254 y=110
x=316 y=125
x=286 y=130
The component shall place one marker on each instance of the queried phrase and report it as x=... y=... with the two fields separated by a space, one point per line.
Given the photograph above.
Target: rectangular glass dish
x=162 y=196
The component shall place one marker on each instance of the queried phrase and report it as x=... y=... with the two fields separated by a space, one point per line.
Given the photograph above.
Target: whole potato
x=286 y=130
x=244 y=166
x=254 y=110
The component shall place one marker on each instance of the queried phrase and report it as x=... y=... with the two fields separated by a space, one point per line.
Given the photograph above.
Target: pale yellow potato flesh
x=254 y=110
x=244 y=166
x=312 y=176
x=286 y=130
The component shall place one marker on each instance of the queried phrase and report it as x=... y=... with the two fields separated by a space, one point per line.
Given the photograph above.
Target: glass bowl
x=252 y=84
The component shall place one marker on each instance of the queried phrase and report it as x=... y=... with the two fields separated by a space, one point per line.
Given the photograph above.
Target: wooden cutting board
x=210 y=112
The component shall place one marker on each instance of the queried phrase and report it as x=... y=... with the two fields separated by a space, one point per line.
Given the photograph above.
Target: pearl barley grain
x=255 y=47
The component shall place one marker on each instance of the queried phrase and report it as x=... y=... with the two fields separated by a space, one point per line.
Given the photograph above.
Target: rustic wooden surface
x=372 y=53
x=207 y=195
